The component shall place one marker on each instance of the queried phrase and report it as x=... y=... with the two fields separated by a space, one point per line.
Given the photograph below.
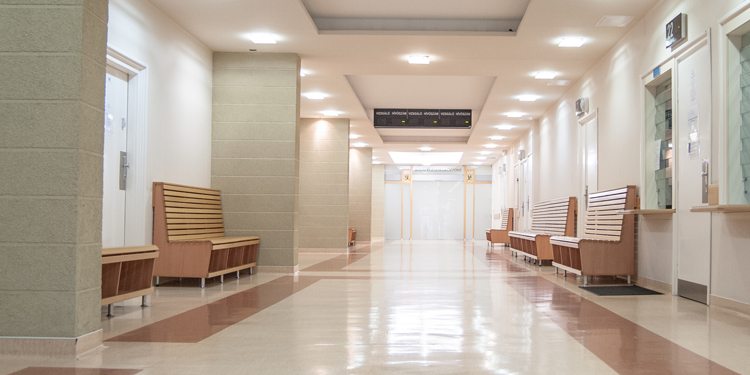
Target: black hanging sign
x=423 y=118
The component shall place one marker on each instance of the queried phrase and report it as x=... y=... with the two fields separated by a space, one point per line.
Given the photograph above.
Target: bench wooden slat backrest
x=555 y=217
x=191 y=213
x=504 y=223
x=602 y=221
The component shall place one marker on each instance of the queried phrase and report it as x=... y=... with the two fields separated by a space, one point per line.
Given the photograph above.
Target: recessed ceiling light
x=419 y=59
x=481 y=157
x=558 y=82
x=426 y=164
x=614 y=21
x=315 y=95
x=476 y=162
x=571 y=42
x=514 y=114
x=377 y=162
x=262 y=38
x=505 y=127
x=359 y=144
x=354 y=136
x=528 y=98
x=485 y=153
x=302 y=73
x=496 y=137
x=374 y=157
x=419 y=158
x=426 y=149
x=330 y=113
x=490 y=146
x=545 y=75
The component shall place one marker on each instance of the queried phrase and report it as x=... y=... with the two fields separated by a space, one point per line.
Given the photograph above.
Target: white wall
x=613 y=86
x=179 y=92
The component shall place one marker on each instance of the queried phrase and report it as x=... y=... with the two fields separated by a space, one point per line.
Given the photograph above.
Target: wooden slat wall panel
x=602 y=222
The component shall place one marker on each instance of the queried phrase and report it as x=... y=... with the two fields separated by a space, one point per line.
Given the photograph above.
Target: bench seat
x=608 y=243
x=189 y=229
x=495 y=236
x=555 y=217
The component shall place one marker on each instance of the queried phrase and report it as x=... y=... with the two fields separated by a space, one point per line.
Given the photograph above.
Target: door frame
x=583 y=168
x=704 y=40
x=138 y=216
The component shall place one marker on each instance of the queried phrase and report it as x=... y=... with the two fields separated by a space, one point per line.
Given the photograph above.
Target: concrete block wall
x=378 y=202
x=52 y=69
x=360 y=191
x=255 y=149
x=324 y=184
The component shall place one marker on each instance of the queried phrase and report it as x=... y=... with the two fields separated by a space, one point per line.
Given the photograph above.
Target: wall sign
x=677 y=30
x=423 y=118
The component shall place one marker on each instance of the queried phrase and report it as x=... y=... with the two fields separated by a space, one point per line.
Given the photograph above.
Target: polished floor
x=411 y=307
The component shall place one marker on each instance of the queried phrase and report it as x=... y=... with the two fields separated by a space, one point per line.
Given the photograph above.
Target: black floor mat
x=619 y=290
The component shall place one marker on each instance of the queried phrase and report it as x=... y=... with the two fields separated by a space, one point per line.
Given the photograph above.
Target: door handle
x=123 y=169
x=704 y=180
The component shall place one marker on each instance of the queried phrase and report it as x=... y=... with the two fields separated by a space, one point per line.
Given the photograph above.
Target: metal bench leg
x=628 y=279
x=109 y=311
x=203 y=283
x=221 y=279
x=557 y=270
x=251 y=270
x=157 y=280
x=238 y=274
x=565 y=273
x=585 y=280
x=143 y=302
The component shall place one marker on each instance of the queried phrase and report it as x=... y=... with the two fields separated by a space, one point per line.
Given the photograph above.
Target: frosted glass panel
x=392 y=215
x=483 y=211
x=469 y=211
x=406 y=193
x=438 y=210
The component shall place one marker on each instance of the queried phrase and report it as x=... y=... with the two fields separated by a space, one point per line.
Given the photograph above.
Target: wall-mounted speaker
x=582 y=106
x=521 y=154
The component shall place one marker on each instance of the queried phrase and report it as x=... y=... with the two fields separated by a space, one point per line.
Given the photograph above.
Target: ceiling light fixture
x=315 y=95
x=425 y=149
x=514 y=114
x=505 y=127
x=419 y=59
x=558 y=82
x=481 y=158
x=490 y=146
x=496 y=137
x=545 y=75
x=377 y=162
x=571 y=42
x=359 y=144
x=528 y=98
x=330 y=113
x=354 y=136
x=477 y=162
x=374 y=157
x=485 y=153
x=262 y=38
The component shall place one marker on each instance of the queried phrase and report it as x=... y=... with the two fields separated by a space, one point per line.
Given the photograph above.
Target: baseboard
x=730 y=304
x=656 y=285
x=278 y=269
x=50 y=347
x=327 y=250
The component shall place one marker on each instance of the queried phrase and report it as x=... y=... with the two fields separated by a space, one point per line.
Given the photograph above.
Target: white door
x=528 y=200
x=589 y=163
x=115 y=162
x=693 y=148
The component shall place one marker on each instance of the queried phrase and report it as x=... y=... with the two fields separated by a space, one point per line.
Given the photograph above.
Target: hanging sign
x=423 y=118
x=677 y=30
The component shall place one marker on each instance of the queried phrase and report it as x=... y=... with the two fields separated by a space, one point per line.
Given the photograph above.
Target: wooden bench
x=501 y=235
x=608 y=243
x=189 y=230
x=127 y=273
x=352 y=236
x=556 y=217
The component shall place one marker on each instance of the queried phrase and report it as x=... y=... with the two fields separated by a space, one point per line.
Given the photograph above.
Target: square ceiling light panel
x=419 y=158
x=416 y=17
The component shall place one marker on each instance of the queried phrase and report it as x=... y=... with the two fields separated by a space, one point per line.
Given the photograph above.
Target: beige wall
x=613 y=86
x=360 y=191
x=178 y=70
x=255 y=149
x=378 y=203
x=324 y=189
x=51 y=106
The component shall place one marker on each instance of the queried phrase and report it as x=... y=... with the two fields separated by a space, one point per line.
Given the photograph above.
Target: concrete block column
x=52 y=71
x=360 y=191
x=255 y=150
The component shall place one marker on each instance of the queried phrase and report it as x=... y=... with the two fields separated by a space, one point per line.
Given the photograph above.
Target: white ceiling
x=468 y=59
